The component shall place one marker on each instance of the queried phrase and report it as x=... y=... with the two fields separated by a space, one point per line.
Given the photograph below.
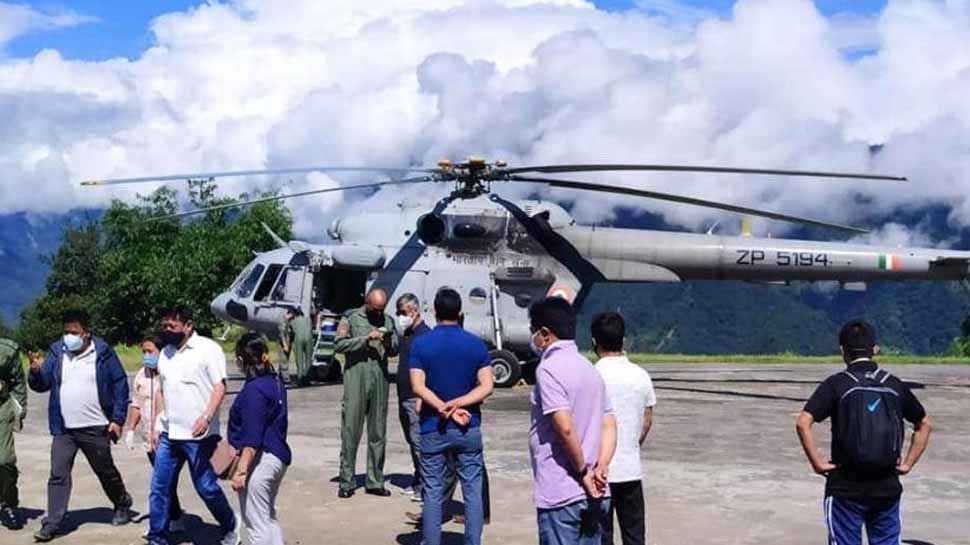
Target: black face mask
x=376 y=318
x=173 y=338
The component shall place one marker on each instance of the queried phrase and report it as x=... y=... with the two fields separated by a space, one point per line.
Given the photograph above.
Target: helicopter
x=501 y=255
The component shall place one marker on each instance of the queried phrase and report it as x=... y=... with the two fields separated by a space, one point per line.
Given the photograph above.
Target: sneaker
x=178 y=525
x=46 y=533
x=11 y=519
x=407 y=491
x=121 y=516
x=233 y=537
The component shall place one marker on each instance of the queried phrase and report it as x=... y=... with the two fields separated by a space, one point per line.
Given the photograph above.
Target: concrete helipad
x=723 y=467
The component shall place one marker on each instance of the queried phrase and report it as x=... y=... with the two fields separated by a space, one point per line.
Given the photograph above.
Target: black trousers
x=96 y=447
x=627 y=503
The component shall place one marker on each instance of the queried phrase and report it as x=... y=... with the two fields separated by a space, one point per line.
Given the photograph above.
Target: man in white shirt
x=631 y=392
x=193 y=375
x=88 y=405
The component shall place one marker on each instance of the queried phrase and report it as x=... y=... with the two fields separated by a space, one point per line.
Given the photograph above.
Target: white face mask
x=403 y=323
x=72 y=342
x=534 y=347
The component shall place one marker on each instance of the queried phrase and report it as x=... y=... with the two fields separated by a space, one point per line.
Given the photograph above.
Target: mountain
x=24 y=238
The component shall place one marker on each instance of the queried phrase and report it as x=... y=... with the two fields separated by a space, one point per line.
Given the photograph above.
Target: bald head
x=376 y=301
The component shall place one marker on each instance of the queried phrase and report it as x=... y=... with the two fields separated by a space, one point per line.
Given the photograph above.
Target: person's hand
x=238 y=482
x=601 y=476
x=154 y=444
x=375 y=335
x=461 y=417
x=114 y=432
x=130 y=440
x=592 y=488
x=200 y=427
x=35 y=359
x=904 y=469
x=447 y=409
x=824 y=468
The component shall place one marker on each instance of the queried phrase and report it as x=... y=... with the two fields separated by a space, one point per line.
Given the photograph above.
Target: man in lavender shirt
x=573 y=431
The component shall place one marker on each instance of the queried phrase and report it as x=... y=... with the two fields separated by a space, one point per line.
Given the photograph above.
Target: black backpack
x=870 y=426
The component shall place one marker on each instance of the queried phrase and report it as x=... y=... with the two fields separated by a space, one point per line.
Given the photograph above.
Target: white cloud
x=253 y=83
x=17 y=20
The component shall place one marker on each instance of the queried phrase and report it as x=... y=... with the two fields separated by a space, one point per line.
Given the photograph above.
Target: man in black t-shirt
x=855 y=495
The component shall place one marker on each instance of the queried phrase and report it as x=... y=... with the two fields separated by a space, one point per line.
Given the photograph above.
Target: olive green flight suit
x=302 y=347
x=13 y=390
x=365 y=394
x=285 y=332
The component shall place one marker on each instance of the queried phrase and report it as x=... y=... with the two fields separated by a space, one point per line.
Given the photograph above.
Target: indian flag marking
x=889 y=262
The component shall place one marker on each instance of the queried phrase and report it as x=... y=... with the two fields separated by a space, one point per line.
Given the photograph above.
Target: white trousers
x=258 y=501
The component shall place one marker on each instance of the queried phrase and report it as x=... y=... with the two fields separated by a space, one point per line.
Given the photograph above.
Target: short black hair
x=857 y=337
x=555 y=314
x=447 y=305
x=179 y=313
x=608 y=330
x=77 y=316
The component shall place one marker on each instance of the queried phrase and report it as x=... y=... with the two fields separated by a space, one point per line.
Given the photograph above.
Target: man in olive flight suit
x=286 y=344
x=302 y=346
x=366 y=338
x=13 y=409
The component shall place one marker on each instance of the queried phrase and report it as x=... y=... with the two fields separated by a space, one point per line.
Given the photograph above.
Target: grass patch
x=789 y=358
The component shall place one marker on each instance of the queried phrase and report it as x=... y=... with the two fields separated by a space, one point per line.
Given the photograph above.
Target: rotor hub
x=473 y=177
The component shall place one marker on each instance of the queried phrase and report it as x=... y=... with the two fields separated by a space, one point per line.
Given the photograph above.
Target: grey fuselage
x=502 y=255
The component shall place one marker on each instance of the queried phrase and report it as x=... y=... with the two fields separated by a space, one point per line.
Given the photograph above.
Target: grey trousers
x=257 y=501
x=96 y=447
x=411 y=425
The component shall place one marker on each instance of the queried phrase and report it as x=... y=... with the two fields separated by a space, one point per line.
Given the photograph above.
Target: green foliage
x=127 y=267
x=5 y=331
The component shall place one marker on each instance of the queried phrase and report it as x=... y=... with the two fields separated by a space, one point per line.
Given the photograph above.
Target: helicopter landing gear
x=506 y=368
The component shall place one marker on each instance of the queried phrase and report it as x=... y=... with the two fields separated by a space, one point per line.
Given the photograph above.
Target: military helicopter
x=502 y=255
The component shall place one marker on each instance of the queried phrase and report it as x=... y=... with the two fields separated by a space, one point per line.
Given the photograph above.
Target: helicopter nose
x=219 y=305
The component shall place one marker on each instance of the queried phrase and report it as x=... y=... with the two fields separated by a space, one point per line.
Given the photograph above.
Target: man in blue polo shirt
x=452 y=375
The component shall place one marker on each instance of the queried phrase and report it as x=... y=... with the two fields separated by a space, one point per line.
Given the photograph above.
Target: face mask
x=403 y=323
x=150 y=360
x=73 y=343
x=173 y=338
x=534 y=347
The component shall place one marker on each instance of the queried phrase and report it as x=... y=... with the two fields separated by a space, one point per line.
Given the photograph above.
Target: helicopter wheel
x=506 y=368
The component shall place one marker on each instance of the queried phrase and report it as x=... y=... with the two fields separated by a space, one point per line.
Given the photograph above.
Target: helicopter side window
x=266 y=285
x=249 y=284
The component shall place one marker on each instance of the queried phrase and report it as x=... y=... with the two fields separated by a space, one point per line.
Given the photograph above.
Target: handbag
x=224 y=459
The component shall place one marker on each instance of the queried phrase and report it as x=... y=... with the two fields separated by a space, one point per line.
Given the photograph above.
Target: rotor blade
x=290 y=196
x=226 y=174
x=686 y=200
x=552 y=169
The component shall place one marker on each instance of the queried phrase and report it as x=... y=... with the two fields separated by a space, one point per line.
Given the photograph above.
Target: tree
x=143 y=264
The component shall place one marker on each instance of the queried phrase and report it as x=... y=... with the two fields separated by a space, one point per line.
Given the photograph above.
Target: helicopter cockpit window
x=266 y=285
x=249 y=284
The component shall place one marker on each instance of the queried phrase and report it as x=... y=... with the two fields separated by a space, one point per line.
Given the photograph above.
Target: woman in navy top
x=257 y=429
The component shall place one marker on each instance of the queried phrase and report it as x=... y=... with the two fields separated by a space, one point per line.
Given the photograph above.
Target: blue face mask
x=73 y=343
x=150 y=360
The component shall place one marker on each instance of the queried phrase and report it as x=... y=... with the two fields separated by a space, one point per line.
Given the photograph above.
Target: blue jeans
x=169 y=459
x=579 y=523
x=845 y=519
x=466 y=448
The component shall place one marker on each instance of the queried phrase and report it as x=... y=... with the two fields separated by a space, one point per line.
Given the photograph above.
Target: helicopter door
x=281 y=286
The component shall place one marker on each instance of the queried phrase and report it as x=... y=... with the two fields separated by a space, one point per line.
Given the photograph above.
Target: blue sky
x=122 y=27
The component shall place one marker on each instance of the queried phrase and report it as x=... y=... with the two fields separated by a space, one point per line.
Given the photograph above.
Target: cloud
x=17 y=20
x=251 y=84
